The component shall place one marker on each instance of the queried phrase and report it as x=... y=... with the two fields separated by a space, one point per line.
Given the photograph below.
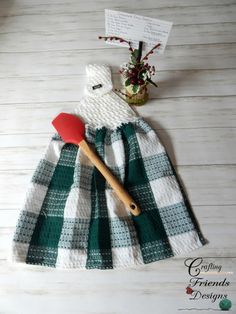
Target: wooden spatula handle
x=111 y=179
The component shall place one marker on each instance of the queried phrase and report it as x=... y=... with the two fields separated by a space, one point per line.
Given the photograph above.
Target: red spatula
x=72 y=130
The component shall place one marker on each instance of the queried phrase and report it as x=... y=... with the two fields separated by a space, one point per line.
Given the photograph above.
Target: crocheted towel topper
x=71 y=218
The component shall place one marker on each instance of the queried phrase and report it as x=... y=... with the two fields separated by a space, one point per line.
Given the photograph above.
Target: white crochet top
x=101 y=107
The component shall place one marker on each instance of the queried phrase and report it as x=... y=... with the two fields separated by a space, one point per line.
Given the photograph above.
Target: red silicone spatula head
x=69 y=127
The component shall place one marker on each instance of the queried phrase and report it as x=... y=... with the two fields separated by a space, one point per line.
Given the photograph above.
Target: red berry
x=140 y=82
x=130 y=49
x=132 y=81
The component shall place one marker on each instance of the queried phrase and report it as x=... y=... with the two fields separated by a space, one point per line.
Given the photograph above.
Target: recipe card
x=135 y=28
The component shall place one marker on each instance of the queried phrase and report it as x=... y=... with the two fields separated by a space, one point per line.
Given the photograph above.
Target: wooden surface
x=44 y=47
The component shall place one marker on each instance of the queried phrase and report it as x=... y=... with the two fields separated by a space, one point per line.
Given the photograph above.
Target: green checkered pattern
x=86 y=232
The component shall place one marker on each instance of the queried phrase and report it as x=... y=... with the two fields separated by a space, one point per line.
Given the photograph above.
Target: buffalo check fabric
x=73 y=219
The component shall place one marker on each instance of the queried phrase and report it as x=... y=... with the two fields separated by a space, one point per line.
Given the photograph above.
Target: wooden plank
x=71 y=88
x=205 y=185
x=162 y=114
x=175 y=265
x=108 y=298
x=184 y=146
x=185 y=57
x=58 y=7
x=146 y=288
x=188 y=112
x=8 y=217
x=87 y=39
x=67 y=21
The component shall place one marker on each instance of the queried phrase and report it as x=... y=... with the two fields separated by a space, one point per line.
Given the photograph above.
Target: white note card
x=135 y=28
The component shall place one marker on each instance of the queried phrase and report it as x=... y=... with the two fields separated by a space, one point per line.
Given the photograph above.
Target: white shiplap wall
x=44 y=47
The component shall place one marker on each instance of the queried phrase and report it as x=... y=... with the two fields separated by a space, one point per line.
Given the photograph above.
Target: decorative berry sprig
x=136 y=73
x=121 y=40
x=151 y=51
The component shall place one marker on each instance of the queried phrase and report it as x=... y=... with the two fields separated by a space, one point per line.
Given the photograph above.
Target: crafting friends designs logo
x=202 y=287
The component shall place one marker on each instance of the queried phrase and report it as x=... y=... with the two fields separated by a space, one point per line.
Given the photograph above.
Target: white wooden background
x=44 y=47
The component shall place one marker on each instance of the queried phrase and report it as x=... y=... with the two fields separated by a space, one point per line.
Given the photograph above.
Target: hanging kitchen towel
x=71 y=218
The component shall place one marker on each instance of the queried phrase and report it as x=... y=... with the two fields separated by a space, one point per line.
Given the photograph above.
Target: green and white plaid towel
x=71 y=218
